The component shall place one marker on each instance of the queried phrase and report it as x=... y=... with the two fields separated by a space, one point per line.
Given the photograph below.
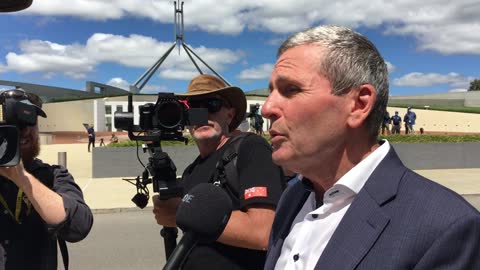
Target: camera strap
x=18 y=206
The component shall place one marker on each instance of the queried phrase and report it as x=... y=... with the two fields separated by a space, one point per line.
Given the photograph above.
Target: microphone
x=202 y=215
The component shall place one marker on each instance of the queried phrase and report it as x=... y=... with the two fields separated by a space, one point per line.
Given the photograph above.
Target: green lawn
x=401 y=138
x=397 y=138
x=440 y=108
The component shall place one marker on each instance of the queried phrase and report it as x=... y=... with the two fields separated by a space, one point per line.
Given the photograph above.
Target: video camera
x=164 y=120
x=16 y=111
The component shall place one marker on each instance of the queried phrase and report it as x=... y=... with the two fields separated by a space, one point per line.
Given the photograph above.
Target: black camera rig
x=164 y=120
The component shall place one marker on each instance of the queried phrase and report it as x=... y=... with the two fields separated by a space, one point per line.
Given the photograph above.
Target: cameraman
x=40 y=203
x=243 y=243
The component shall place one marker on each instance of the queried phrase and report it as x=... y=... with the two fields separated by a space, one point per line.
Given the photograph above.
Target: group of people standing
x=408 y=119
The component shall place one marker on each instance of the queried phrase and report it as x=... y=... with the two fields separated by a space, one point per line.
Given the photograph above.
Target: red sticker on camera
x=255 y=192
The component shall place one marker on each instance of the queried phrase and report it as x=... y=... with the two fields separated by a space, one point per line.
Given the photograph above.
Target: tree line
x=474 y=85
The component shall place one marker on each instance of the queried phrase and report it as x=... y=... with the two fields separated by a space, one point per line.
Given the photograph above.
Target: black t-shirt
x=255 y=170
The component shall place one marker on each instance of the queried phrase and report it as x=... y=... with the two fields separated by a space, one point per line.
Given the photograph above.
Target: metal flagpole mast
x=180 y=42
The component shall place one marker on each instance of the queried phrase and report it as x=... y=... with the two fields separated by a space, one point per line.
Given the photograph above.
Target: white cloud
x=457 y=90
x=119 y=82
x=77 y=60
x=418 y=79
x=178 y=74
x=443 y=26
x=260 y=72
x=50 y=58
x=391 y=68
x=276 y=41
x=147 y=89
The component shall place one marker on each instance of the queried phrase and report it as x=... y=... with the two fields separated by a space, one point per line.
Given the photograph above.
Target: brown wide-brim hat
x=206 y=84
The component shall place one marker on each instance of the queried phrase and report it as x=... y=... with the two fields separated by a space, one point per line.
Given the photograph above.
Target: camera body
x=14 y=114
x=164 y=120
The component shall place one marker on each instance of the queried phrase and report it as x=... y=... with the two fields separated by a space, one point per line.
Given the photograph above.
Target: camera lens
x=169 y=114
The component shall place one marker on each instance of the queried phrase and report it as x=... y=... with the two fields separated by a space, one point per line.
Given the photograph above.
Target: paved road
x=123 y=240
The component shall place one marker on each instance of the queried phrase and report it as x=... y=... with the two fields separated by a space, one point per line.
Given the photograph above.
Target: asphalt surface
x=119 y=240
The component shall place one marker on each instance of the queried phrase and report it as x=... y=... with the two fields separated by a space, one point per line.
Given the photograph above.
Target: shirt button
x=296 y=257
x=314 y=215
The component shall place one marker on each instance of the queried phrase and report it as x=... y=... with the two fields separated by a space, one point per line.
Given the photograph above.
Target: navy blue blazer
x=398 y=220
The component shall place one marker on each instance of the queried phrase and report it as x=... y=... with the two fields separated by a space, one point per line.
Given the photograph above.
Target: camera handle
x=164 y=180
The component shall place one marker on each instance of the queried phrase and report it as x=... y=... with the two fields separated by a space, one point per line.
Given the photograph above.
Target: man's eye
x=290 y=90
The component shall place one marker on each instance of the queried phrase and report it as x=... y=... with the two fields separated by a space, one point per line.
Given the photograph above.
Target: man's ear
x=362 y=99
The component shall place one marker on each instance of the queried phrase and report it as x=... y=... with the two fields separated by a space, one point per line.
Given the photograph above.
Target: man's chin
x=280 y=158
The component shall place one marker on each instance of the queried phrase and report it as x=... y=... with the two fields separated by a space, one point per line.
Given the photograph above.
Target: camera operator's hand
x=165 y=210
x=17 y=174
x=46 y=202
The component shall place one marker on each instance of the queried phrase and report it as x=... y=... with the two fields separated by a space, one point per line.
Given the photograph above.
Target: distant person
x=386 y=123
x=91 y=137
x=102 y=143
x=409 y=120
x=356 y=205
x=114 y=138
x=396 y=123
x=258 y=124
x=256 y=120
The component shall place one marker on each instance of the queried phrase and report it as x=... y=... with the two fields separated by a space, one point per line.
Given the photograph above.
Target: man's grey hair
x=350 y=60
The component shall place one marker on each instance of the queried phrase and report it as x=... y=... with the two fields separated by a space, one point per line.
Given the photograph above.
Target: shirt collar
x=356 y=177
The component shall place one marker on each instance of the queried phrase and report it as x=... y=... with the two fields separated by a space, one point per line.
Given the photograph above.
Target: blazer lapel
x=357 y=232
x=365 y=220
x=290 y=204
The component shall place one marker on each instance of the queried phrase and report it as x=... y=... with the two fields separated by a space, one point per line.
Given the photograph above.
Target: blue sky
x=431 y=46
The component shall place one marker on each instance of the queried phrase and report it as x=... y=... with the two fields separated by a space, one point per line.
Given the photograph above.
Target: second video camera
x=16 y=111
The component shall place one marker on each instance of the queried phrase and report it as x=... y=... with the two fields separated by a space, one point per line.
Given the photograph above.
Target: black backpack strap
x=226 y=175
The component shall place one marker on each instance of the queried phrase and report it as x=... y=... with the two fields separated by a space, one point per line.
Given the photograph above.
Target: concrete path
x=114 y=194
